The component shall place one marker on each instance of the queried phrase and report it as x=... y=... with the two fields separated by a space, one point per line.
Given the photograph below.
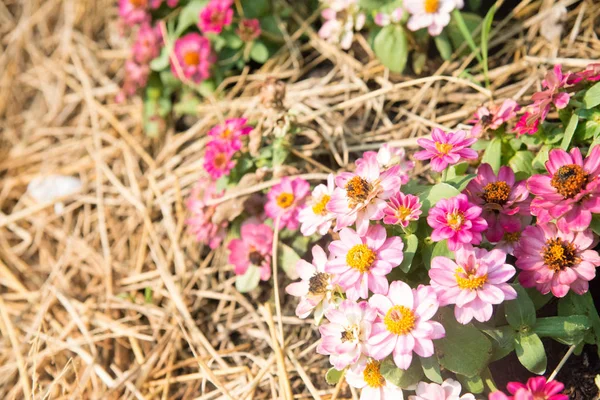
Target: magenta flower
x=217 y=159
x=154 y=4
x=285 y=200
x=147 y=44
x=554 y=80
x=456 y=220
x=366 y=376
x=136 y=77
x=193 y=56
x=134 y=12
x=231 y=132
x=554 y=261
x=401 y=209
x=362 y=263
x=536 y=389
x=571 y=191
x=474 y=282
x=315 y=217
x=505 y=203
x=493 y=117
x=591 y=74
x=200 y=222
x=528 y=124
x=445 y=149
x=404 y=325
x=254 y=248
x=344 y=338
x=448 y=390
x=249 y=29
x=360 y=197
x=215 y=16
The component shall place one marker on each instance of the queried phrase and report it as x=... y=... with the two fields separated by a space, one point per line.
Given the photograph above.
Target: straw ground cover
x=111 y=298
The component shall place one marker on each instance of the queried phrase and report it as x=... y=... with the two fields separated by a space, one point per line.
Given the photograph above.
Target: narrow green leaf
x=466 y=33
x=530 y=352
x=442 y=42
x=569 y=329
x=493 y=154
x=333 y=376
x=411 y=243
x=591 y=98
x=190 y=14
x=569 y=132
x=485 y=37
x=391 y=47
x=520 y=313
x=431 y=368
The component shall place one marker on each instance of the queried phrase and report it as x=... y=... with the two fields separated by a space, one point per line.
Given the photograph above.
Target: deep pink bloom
x=154 y=4
x=536 y=389
x=474 y=282
x=555 y=261
x=147 y=44
x=388 y=157
x=366 y=376
x=200 y=223
x=505 y=203
x=362 y=263
x=553 y=81
x=493 y=117
x=401 y=209
x=194 y=57
x=344 y=338
x=315 y=217
x=360 y=196
x=591 y=74
x=285 y=200
x=215 y=16
x=456 y=220
x=231 y=132
x=528 y=124
x=136 y=77
x=571 y=191
x=134 y=12
x=448 y=390
x=404 y=325
x=445 y=149
x=510 y=239
x=249 y=29
x=218 y=159
x=253 y=248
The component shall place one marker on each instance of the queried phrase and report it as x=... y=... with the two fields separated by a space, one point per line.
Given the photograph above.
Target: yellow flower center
x=138 y=3
x=360 y=257
x=443 y=148
x=399 y=320
x=559 y=255
x=284 y=200
x=348 y=335
x=358 y=189
x=372 y=375
x=403 y=212
x=221 y=160
x=191 y=58
x=569 y=180
x=455 y=220
x=226 y=133
x=512 y=237
x=468 y=280
x=496 y=192
x=431 y=6
x=320 y=208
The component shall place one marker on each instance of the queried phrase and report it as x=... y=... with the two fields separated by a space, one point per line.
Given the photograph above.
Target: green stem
x=444 y=175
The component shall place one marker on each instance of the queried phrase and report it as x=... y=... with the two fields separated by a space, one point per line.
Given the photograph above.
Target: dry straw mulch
x=112 y=299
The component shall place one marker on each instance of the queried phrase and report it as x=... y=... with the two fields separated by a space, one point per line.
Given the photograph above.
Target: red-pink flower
x=253 y=249
x=404 y=325
x=401 y=209
x=154 y=4
x=571 y=191
x=456 y=220
x=475 y=281
x=528 y=124
x=231 y=132
x=147 y=44
x=218 y=159
x=536 y=389
x=285 y=200
x=315 y=217
x=248 y=29
x=505 y=203
x=555 y=261
x=134 y=12
x=493 y=117
x=445 y=149
x=553 y=81
x=194 y=57
x=591 y=74
x=215 y=16
x=362 y=263
x=200 y=223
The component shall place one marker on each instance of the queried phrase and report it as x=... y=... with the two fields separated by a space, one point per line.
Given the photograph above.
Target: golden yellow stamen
x=358 y=189
x=361 y=257
x=347 y=335
x=403 y=212
x=320 y=208
x=559 y=254
x=372 y=375
x=191 y=58
x=455 y=220
x=512 y=237
x=496 y=192
x=443 y=148
x=569 y=180
x=431 y=6
x=468 y=280
x=284 y=200
x=399 y=320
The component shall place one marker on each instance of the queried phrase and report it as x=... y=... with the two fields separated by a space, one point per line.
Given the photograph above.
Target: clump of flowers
x=342 y=19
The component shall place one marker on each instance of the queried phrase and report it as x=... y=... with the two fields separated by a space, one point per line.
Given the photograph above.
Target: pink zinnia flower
x=384 y=19
x=231 y=132
x=528 y=124
x=591 y=74
x=366 y=375
x=456 y=220
x=536 y=389
x=404 y=325
x=248 y=29
x=571 y=191
x=315 y=288
x=315 y=217
x=504 y=202
x=448 y=390
x=157 y=3
x=147 y=44
x=200 y=223
x=362 y=263
x=553 y=81
x=445 y=149
x=388 y=157
x=360 y=196
x=217 y=159
x=342 y=18
x=474 y=282
x=215 y=16
x=194 y=57
x=493 y=117
x=510 y=240
x=401 y=209
x=431 y=14
x=554 y=261
x=253 y=249
x=136 y=77
x=344 y=338
x=134 y=12
x=285 y=200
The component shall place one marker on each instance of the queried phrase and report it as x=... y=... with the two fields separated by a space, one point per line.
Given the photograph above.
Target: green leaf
x=460 y=182
x=485 y=37
x=442 y=42
x=207 y=87
x=472 y=384
x=520 y=313
x=591 y=98
x=431 y=368
x=162 y=61
x=595 y=225
x=522 y=161
x=504 y=341
x=569 y=132
x=280 y=151
x=539 y=162
x=391 y=47
x=539 y=299
x=259 y=52
x=148 y=295
x=256 y=8
x=530 y=352
x=440 y=249
x=430 y=196
x=287 y=259
x=333 y=376
x=493 y=154
x=399 y=377
x=373 y=4
x=248 y=281
x=411 y=243
x=190 y=14
x=466 y=31
x=569 y=329
x=232 y=40
x=574 y=304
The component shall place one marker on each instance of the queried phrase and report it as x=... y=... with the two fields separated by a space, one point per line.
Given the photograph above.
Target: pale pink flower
x=493 y=117
x=431 y=14
x=215 y=16
x=401 y=209
x=285 y=200
x=404 y=325
x=384 y=19
x=362 y=263
x=555 y=261
x=571 y=191
x=136 y=77
x=366 y=375
x=389 y=156
x=134 y=12
x=536 y=389
x=448 y=390
x=218 y=159
x=315 y=217
x=342 y=19
x=147 y=44
x=474 y=282
x=253 y=248
x=249 y=29
x=456 y=220
x=360 y=196
x=445 y=149
x=194 y=57
x=200 y=223
x=231 y=132
x=505 y=203
x=344 y=338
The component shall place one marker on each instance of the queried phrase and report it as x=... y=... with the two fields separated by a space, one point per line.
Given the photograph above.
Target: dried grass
x=74 y=317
